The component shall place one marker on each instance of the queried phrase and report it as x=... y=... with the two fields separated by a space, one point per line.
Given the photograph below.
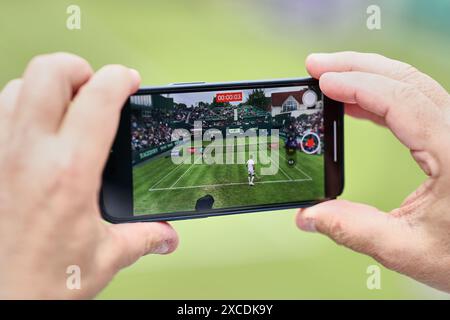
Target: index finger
x=318 y=64
x=410 y=115
x=91 y=122
x=49 y=84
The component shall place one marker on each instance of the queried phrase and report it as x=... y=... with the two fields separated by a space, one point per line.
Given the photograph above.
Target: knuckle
x=345 y=54
x=10 y=90
x=67 y=169
x=76 y=62
x=13 y=83
x=66 y=56
x=350 y=54
x=337 y=231
x=55 y=62
x=116 y=71
x=414 y=102
x=407 y=72
x=405 y=92
x=38 y=63
x=376 y=56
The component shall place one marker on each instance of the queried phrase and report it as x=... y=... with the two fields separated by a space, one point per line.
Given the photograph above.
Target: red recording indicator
x=229 y=97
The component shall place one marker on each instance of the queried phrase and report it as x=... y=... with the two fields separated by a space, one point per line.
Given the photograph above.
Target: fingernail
x=162 y=248
x=309 y=225
x=305 y=223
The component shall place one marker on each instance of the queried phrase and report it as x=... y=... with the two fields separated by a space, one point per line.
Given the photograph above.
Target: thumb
x=134 y=240
x=360 y=227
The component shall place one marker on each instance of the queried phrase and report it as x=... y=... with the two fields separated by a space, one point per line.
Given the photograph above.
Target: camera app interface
x=226 y=149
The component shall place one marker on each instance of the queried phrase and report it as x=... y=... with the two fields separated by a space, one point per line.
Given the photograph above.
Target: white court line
x=171 y=171
x=171 y=187
x=309 y=178
x=227 y=184
x=279 y=167
x=301 y=171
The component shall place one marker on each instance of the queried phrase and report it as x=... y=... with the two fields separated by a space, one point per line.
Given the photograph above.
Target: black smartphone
x=196 y=150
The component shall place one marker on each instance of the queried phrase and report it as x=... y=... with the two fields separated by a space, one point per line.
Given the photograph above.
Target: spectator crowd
x=298 y=127
x=153 y=128
x=148 y=133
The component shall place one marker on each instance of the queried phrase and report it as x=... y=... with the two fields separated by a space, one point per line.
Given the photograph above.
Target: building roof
x=278 y=98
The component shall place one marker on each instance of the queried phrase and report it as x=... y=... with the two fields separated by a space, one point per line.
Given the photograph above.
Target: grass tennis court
x=162 y=186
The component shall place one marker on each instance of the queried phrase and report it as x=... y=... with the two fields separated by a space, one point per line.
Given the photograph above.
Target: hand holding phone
x=411 y=239
x=57 y=124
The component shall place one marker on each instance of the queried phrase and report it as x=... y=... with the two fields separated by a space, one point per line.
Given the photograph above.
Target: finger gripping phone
x=205 y=149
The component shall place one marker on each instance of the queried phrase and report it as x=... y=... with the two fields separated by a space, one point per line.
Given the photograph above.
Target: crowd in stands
x=180 y=113
x=202 y=112
x=154 y=128
x=225 y=116
x=148 y=132
x=306 y=123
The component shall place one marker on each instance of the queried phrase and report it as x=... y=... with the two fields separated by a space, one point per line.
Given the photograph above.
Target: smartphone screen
x=209 y=150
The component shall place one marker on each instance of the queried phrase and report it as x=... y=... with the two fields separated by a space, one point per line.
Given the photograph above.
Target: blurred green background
x=261 y=256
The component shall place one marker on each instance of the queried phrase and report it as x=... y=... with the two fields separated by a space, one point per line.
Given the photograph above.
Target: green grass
x=160 y=186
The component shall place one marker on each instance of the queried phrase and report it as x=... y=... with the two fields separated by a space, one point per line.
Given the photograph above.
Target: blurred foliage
x=255 y=255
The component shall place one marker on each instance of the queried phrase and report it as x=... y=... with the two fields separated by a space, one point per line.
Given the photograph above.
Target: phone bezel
x=116 y=196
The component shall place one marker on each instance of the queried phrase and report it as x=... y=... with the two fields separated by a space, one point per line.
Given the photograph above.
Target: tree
x=258 y=99
x=203 y=104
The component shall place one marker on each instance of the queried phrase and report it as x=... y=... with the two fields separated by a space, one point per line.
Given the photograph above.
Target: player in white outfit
x=251 y=171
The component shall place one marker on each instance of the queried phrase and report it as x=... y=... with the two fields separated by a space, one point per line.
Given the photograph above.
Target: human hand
x=57 y=124
x=413 y=239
